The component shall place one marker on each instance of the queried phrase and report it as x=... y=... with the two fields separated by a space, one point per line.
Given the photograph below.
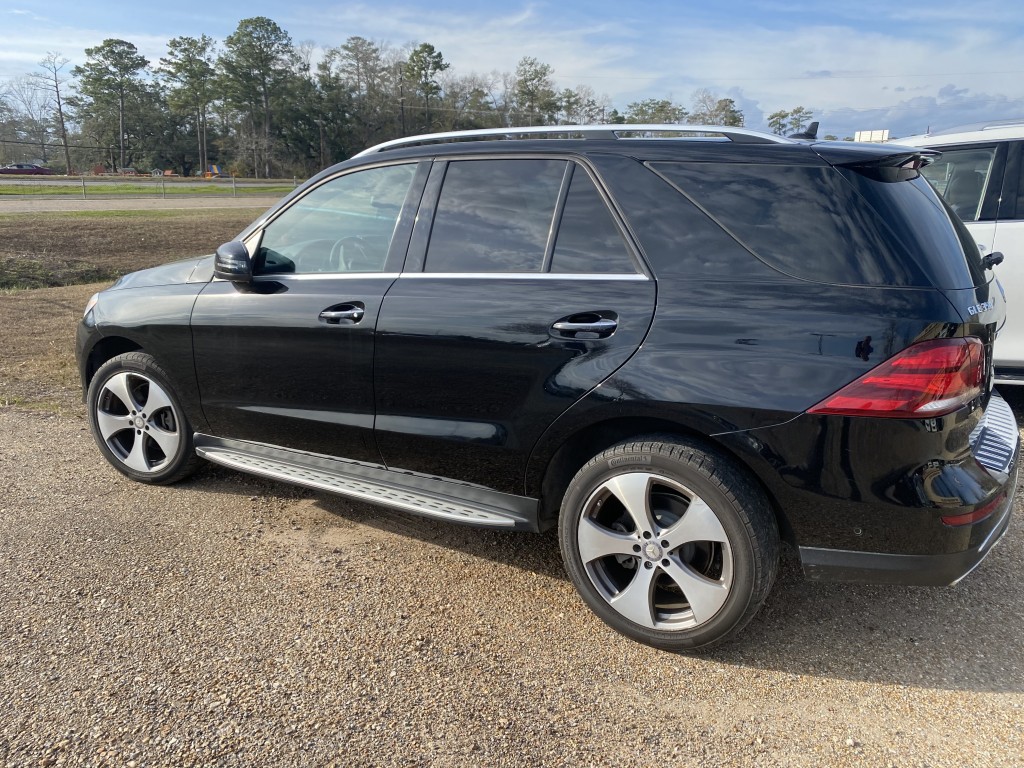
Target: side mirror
x=232 y=263
x=994 y=259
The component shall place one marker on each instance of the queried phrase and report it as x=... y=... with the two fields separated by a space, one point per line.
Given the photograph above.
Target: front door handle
x=343 y=314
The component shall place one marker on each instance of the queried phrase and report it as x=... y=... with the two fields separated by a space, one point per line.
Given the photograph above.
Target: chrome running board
x=407 y=491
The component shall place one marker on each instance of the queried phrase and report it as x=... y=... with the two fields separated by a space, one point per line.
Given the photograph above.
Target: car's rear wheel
x=138 y=422
x=669 y=543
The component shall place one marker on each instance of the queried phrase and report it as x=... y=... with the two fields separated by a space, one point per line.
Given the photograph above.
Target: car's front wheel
x=669 y=543
x=138 y=422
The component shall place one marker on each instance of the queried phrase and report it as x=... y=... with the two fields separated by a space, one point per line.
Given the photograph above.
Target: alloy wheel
x=655 y=551
x=138 y=422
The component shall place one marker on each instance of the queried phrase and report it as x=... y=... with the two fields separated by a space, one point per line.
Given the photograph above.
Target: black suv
x=681 y=348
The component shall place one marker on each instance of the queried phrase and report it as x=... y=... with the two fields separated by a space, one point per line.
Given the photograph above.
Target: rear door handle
x=343 y=314
x=586 y=325
x=598 y=326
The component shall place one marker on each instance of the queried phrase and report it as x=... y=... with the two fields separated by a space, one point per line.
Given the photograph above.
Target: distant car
x=26 y=169
x=981 y=177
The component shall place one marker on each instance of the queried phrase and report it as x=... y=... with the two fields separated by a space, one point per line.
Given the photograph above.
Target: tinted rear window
x=826 y=225
x=588 y=239
x=923 y=218
x=494 y=216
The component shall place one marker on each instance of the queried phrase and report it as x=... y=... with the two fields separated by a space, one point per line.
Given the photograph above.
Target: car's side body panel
x=469 y=370
x=272 y=370
x=150 y=317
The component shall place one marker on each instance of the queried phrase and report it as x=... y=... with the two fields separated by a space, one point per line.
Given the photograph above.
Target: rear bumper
x=920 y=570
x=995 y=444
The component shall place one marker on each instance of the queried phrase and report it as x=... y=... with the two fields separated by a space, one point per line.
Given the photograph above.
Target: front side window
x=344 y=225
x=961 y=177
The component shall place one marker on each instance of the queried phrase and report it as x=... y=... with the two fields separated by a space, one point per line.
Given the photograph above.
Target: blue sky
x=860 y=65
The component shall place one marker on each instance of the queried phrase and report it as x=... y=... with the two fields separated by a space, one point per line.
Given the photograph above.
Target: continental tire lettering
x=618 y=461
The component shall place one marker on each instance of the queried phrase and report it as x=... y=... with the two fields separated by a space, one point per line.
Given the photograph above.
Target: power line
x=48 y=144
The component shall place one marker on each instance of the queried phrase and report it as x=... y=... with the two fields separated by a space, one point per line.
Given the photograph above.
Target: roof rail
x=990 y=125
x=605 y=131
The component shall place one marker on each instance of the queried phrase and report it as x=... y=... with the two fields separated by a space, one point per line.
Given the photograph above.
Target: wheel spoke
x=118 y=387
x=699 y=523
x=168 y=441
x=635 y=601
x=631 y=489
x=156 y=399
x=705 y=596
x=596 y=541
x=136 y=459
x=110 y=425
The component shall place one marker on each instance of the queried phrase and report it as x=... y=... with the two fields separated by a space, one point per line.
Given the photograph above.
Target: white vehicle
x=981 y=176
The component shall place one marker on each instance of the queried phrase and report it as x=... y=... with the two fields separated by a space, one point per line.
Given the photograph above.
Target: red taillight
x=928 y=379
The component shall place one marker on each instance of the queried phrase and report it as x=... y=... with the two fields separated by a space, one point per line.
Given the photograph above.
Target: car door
x=979 y=180
x=1008 y=239
x=521 y=294
x=288 y=360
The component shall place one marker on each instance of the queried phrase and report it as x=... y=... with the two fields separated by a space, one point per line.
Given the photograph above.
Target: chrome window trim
x=573 y=159
x=289 y=276
x=618 y=276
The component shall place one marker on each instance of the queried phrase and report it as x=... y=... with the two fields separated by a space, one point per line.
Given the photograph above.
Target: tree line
x=259 y=105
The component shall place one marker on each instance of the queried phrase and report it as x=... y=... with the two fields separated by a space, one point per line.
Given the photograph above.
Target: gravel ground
x=233 y=621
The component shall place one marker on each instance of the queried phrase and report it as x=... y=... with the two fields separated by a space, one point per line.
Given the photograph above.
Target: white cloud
x=598 y=55
x=837 y=70
x=31 y=15
x=852 y=75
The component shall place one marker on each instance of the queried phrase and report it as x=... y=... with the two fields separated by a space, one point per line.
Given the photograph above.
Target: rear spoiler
x=889 y=163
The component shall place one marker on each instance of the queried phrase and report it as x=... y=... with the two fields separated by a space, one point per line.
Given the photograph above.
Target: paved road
x=234 y=621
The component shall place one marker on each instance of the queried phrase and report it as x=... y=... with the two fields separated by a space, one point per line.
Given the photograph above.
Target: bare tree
x=51 y=81
x=708 y=109
x=33 y=108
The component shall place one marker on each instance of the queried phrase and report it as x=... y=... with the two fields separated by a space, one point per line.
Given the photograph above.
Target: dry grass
x=37 y=356
x=37 y=359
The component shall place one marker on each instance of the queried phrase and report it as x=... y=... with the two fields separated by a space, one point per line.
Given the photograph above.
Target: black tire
x=705 y=528
x=138 y=422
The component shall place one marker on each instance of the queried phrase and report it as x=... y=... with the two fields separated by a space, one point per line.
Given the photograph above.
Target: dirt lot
x=49 y=249
x=233 y=621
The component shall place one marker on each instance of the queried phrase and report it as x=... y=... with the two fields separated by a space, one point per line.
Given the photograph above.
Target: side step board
x=407 y=491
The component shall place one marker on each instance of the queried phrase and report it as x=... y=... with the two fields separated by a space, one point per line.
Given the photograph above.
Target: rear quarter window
x=828 y=225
